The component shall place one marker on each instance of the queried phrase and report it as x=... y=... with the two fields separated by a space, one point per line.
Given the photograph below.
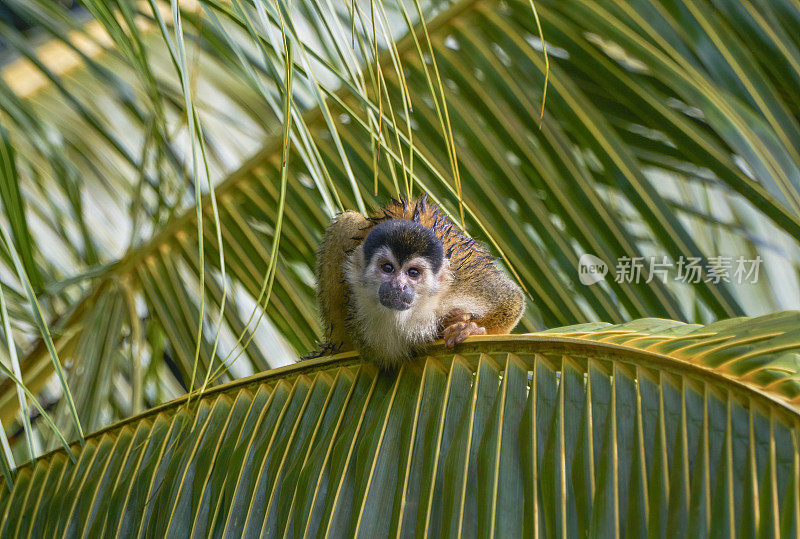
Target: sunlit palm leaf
x=651 y=427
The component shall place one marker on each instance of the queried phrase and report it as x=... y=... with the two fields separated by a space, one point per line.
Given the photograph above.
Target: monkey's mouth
x=399 y=301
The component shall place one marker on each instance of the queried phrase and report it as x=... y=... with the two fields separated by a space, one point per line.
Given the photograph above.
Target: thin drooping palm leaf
x=652 y=427
x=647 y=148
x=14 y=208
x=8 y=243
x=14 y=360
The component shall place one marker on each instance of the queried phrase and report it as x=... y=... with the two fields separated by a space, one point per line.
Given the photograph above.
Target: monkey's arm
x=506 y=304
x=343 y=235
x=485 y=301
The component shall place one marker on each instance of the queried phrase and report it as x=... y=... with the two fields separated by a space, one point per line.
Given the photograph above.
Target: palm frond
x=667 y=132
x=648 y=427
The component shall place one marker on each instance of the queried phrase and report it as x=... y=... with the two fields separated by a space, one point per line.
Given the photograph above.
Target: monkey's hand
x=456 y=332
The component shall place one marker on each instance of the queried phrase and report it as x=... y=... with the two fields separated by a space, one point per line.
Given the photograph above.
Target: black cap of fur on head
x=405 y=239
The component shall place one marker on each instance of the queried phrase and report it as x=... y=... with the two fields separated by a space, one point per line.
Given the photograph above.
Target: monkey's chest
x=392 y=334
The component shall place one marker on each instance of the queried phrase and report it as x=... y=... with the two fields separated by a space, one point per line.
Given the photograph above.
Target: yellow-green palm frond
x=650 y=427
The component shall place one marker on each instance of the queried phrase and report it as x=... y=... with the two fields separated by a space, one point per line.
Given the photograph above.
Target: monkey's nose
x=396 y=296
x=398 y=286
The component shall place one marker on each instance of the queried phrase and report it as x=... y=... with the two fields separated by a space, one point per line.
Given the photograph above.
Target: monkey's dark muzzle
x=395 y=298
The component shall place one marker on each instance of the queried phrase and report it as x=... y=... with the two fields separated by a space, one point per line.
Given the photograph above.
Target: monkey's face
x=400 y=283
x=401 y=267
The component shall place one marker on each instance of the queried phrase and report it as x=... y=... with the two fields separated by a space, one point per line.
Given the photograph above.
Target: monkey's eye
x=413 y=273
x=387 y=268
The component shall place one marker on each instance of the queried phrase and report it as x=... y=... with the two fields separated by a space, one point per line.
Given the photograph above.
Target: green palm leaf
x=667 y=132
x=648 y=427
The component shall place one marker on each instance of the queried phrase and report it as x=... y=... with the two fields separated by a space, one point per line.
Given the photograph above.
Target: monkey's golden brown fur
x=479 y=295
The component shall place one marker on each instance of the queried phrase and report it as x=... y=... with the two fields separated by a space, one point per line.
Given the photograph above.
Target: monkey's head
x=402 y=263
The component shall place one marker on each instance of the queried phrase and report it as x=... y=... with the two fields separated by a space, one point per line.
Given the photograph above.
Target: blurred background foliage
x=670 y=128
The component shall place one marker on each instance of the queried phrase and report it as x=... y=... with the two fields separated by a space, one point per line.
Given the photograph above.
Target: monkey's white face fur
x=392 y=326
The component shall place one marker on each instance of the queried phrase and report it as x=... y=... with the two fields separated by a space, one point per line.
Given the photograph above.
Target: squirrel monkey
x=390 y=284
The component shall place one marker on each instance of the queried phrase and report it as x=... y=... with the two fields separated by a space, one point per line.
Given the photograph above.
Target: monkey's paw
x=456 y=333
x=453 y=317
